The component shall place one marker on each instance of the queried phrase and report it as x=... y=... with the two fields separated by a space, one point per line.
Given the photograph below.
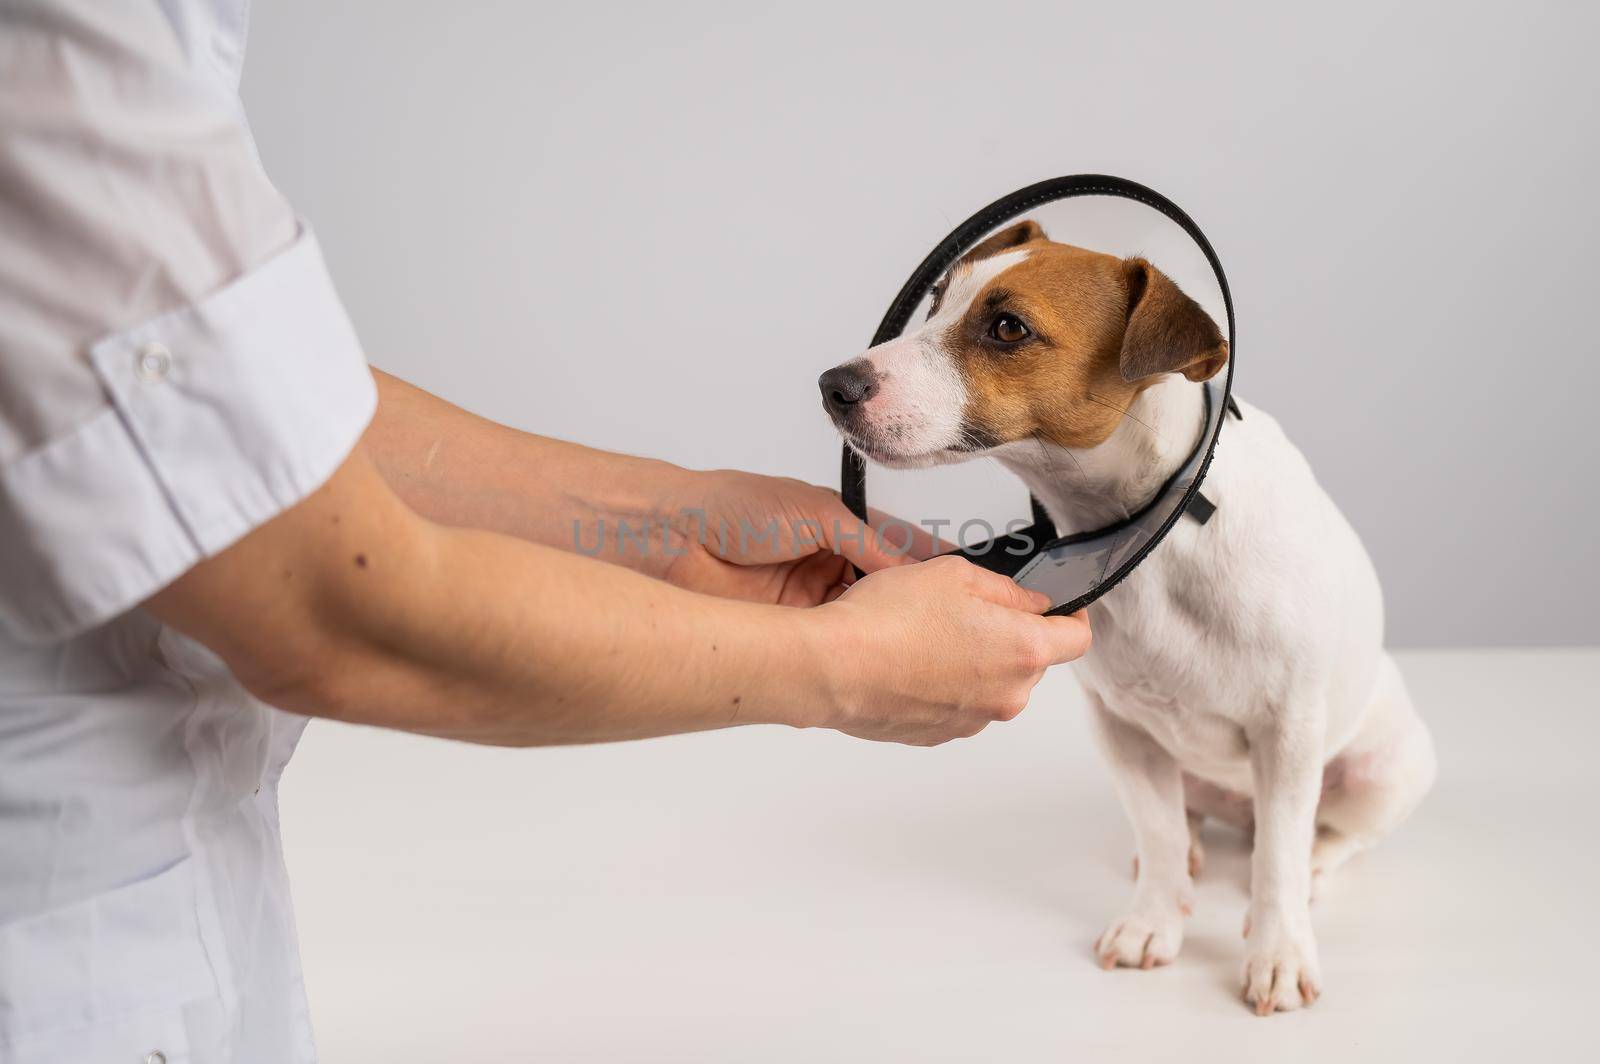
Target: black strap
x=1201 y=508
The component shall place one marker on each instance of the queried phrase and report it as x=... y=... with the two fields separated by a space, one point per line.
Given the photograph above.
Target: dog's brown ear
x=1167 y=331
x=1006 y=239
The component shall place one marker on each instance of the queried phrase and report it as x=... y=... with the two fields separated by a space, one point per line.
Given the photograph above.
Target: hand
x=939 y=650
x=702 y=531
x=778 y=541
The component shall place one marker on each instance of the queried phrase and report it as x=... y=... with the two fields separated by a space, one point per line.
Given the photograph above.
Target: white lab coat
x=175 y=369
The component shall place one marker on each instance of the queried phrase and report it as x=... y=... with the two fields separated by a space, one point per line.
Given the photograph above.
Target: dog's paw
x=1280 y=970
x=1142 y=939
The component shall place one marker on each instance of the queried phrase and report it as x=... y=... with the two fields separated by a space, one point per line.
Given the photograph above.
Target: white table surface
x=769 y=895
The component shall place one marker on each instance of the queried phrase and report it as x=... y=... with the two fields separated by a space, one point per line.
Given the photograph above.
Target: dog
x=1239 y=672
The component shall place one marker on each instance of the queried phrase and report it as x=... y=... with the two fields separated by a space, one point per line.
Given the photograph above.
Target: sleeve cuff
x=222 y=415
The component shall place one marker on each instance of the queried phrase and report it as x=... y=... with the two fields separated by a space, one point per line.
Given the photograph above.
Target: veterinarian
x=210 y=506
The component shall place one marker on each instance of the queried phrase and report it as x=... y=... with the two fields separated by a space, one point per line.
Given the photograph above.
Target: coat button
x=155 y=1056
x=152 y=363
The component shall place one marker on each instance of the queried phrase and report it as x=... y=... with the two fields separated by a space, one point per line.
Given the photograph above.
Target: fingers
x=883 y=542
x=1004 y=591
x=1067 y=637
x=1061 y=638
x=813 y=581
x=911 y=541
x=868 y=549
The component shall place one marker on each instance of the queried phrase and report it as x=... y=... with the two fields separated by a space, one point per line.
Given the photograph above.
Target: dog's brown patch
x=1167 y=331
x=1005 y=240
x=1102 y=329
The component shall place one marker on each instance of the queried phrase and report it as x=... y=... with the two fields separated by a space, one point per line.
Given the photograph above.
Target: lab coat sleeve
x=176 y=366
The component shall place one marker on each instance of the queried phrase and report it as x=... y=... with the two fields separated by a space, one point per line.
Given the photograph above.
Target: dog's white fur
x=919 y=408
x=1238 y=672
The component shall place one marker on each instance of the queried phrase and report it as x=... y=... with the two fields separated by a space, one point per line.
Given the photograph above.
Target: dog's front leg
x=1280 y=971
x=1150 y=784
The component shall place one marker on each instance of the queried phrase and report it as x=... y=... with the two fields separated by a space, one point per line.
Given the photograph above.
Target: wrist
x=818 y=652
x=636 y=523
x=680 y=498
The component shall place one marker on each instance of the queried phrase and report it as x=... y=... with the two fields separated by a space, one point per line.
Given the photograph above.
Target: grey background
x=649 y=227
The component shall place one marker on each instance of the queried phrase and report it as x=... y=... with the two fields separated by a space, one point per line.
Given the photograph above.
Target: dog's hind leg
x=1205 y=799
x=1201 y=799
x=1197 y=850
x=1376 y=780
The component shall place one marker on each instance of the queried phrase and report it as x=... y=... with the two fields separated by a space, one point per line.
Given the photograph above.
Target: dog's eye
x=1008 y=329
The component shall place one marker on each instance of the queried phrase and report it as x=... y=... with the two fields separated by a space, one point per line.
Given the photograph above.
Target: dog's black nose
x=845 y=386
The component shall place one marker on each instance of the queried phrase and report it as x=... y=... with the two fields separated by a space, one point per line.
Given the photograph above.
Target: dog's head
x=1026 y=339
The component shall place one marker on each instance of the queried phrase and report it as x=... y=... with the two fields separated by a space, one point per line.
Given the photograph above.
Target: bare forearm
x=524 y=645
x=458 y=469
x=363 y=612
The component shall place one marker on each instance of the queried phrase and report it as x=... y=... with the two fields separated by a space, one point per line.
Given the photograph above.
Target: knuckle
x=1033 y=652
x=1010 y=709
x=960 y=569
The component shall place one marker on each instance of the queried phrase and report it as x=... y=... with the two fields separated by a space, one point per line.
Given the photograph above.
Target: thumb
x=868 y=549
x=1068 y=637
x=907 y=538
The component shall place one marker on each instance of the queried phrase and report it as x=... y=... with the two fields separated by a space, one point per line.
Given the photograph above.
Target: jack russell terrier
x=1239 y=672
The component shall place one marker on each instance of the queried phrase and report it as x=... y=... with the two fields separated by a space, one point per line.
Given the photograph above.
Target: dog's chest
x=1161 y=662
x=1270 y=601
x=1203 y=741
